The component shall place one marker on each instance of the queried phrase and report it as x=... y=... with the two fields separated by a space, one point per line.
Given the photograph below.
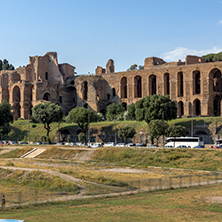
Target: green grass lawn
x=188 y=204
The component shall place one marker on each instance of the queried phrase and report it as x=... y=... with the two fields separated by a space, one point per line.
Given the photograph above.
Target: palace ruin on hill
x=194 y=85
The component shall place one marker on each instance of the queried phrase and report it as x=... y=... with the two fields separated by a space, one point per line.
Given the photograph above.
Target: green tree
x=114 y=110
x=47 y=113
x=126 y=132
x=6 y=117
x=157 y=128
x=134 y=67
x=82 y=137
x=176 y=131
x=154 y=106
x=213 y=57
x=5 y=65
x=131 y=112
x=82 y=117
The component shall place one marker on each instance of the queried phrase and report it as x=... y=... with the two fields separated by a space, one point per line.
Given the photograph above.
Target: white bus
x=189 y=142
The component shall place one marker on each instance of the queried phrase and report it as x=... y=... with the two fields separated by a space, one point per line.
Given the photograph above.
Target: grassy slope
x=173 y=205
x=21 y=126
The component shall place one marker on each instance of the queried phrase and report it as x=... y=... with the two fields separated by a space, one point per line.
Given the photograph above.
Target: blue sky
x=87 y=33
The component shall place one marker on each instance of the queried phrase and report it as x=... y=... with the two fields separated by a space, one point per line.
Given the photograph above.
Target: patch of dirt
x=217 y=199
x=125 y=170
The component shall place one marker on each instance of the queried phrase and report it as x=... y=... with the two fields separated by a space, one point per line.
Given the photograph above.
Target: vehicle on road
x=120 y=144
x=109 y=144
x=189 y=142
x=181 y=146
x=140 y=145
x=130 y=144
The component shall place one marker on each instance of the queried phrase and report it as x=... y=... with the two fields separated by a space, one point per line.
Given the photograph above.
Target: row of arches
x=195 y=108
x=215 y=83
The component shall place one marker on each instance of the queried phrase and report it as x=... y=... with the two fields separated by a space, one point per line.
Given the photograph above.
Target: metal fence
x=23 y=197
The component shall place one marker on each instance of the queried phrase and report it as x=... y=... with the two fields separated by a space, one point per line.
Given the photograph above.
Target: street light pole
x=88 y=129
x=163 y=128
x=115 y=129
x=192 y=120
x=29 y=126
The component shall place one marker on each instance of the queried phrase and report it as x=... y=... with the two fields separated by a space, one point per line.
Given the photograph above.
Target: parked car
x=130 y=144
x=110 y=144
x=198 y=147
x=22 y=143
x=120 y=144
x=140 y=145
x=38 y=143
x=152 y=145
x=96 y=145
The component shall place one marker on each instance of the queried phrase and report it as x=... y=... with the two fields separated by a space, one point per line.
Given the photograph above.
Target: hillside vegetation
x=37 y=131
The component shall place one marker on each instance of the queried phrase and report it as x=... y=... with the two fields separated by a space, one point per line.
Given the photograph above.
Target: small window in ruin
x=60 y=99
x=73 y=100
x=46 y=75
x=108 y=96
x=114 y=92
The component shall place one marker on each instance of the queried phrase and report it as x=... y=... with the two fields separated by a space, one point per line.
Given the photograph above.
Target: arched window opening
x=16 y=102
x=216 y=82
x=166 y=84
x=180 y=109
x=124 y=105
x=216 y=104
x=113 y=92
x=46 y=76
x=137 y=87
x=152 y=84
x=47 y=97
x=180 y=84
x=60 y=99
x=197 y=107
x=85 y=90
x=85 y=105
x=196 y=82
x=108 y=96
x=124 y=87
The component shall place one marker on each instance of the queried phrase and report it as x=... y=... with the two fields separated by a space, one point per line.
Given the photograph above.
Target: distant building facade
x=194 y=85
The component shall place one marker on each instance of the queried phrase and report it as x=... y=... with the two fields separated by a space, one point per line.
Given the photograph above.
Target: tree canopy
x=5 y=65
x=126 y=132
x=156 y=128
x=131 y=111
x=114 y=110
x=134 y=67
x=6 y=116
x=47 y=113
x=154 y=106
x=82 y=117
x=213 y=57
x=176 y=131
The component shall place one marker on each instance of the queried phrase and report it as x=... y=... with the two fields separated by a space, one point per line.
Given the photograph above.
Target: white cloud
x=181 y=53
x=220 y=22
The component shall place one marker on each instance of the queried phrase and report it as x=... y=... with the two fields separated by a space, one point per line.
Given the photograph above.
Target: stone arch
x=113 y=92
x=216 y=105
x=215 y=82
x=85 y=90
x=47 y=97
x=196 y=107
x=124 y=105
x=196 y=82
x=85 y=105
x=123 y=87
x=180 y=84
x=137 y=86
x=166 y=84
x=152 y=84
x=16 y=98
x=180 y=109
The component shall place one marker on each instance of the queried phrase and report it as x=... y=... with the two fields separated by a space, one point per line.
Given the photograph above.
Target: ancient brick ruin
x=195 y=86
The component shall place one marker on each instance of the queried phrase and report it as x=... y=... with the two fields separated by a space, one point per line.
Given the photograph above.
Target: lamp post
x=163 y=128
x=88 y=129
x=29 y=127
x=115 y=129
x=192 y=120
